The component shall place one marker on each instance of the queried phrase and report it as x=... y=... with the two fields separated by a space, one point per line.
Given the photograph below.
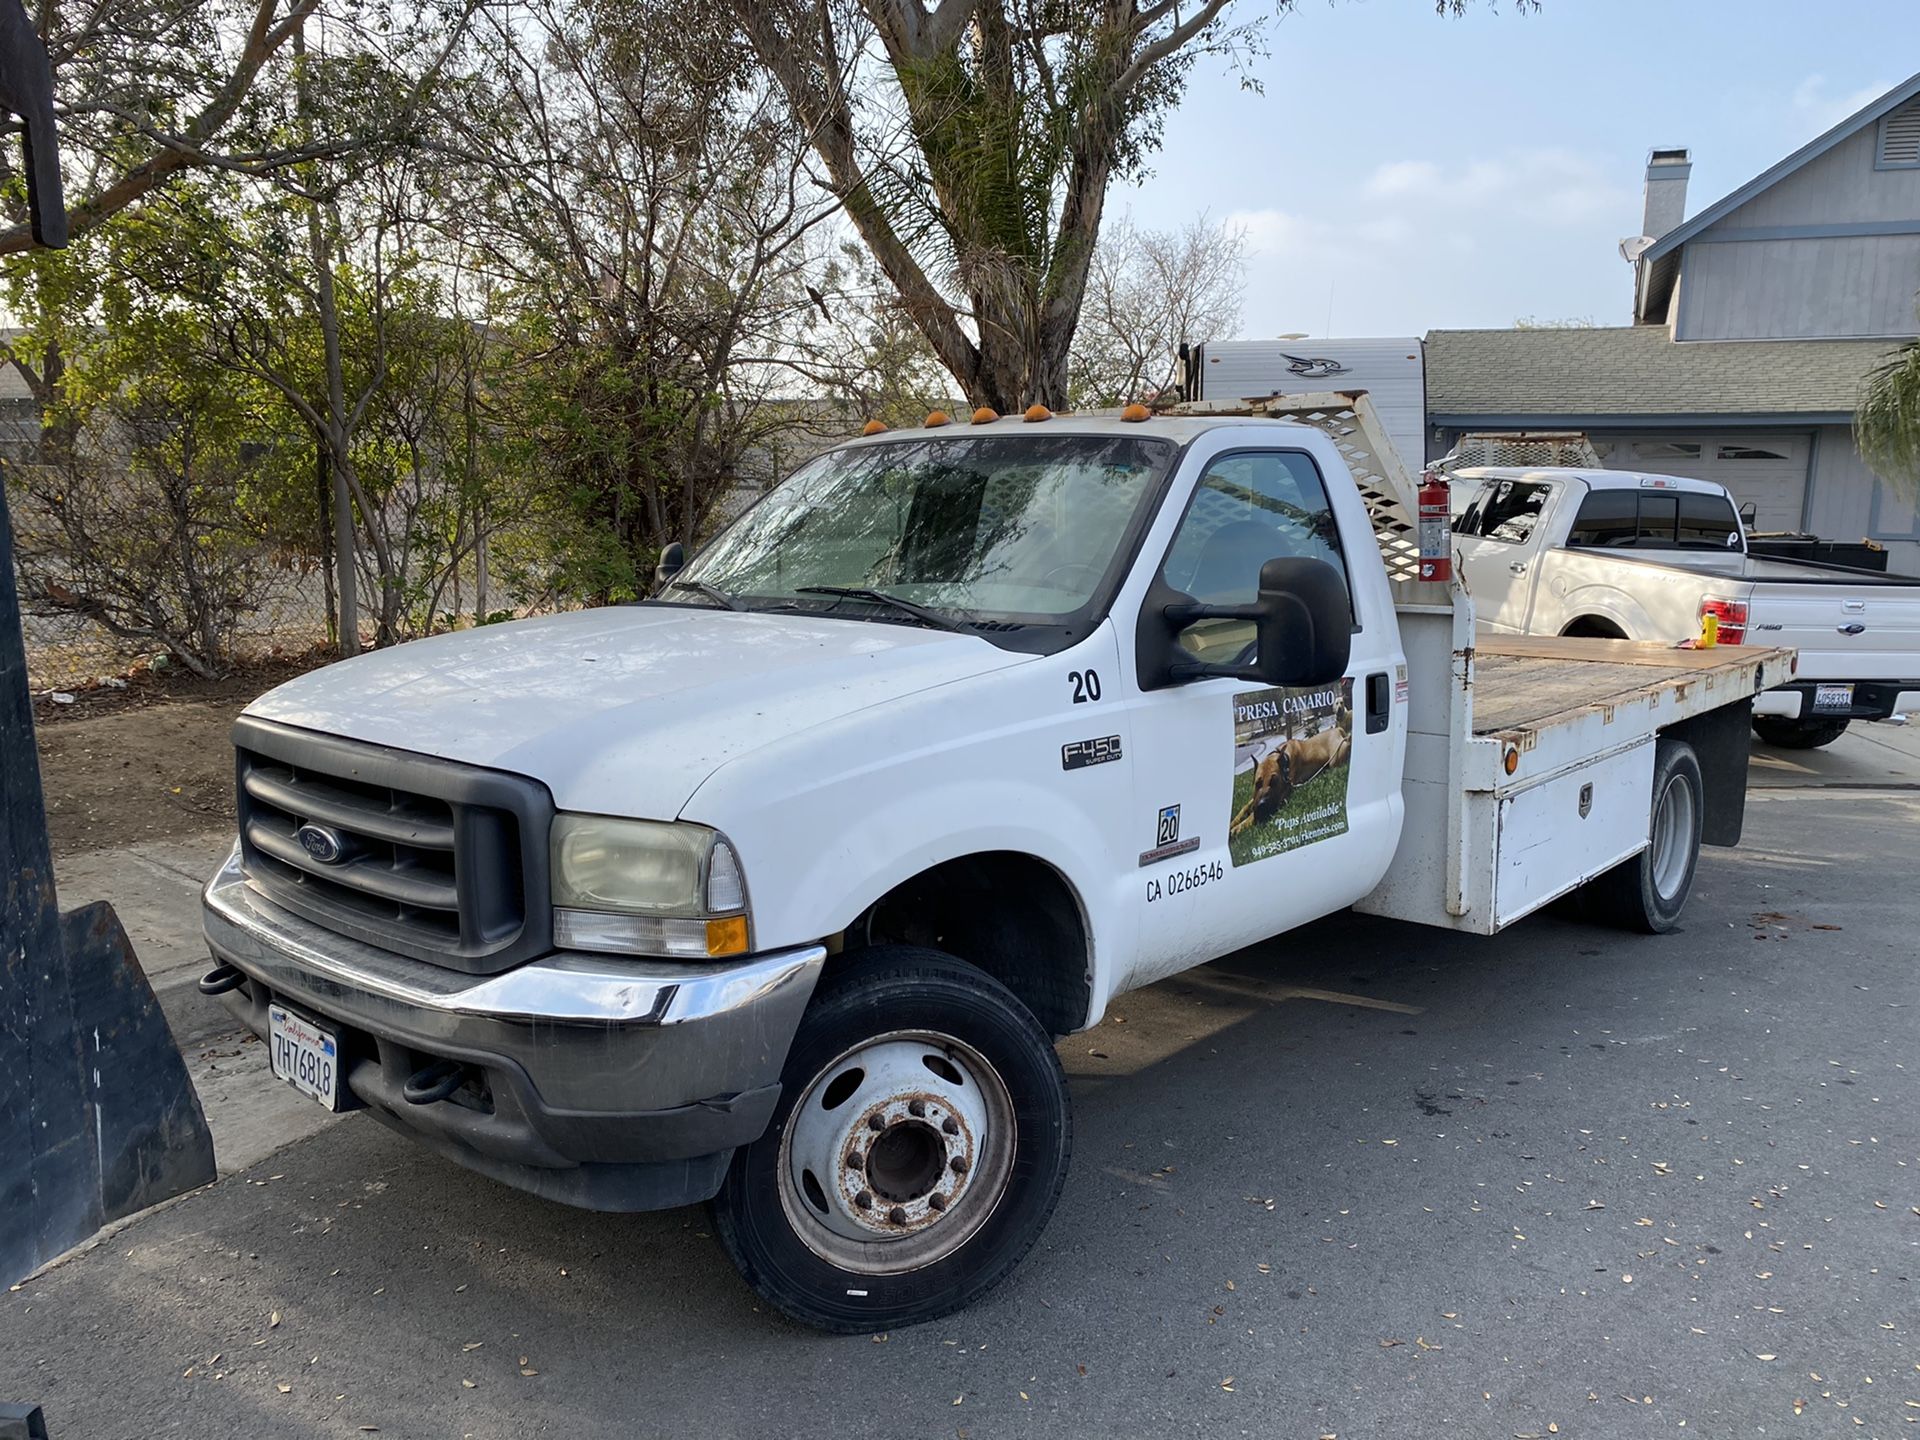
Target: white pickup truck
x=777 y=890
x=1644 y=557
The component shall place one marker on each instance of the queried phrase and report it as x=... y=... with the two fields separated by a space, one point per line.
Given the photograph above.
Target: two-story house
x=1755 y=323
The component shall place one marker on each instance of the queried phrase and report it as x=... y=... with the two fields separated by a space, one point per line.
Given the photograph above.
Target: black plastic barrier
x=97 y=1116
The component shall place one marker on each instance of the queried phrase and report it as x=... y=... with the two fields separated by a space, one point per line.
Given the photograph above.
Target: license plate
x=1833 y=697
x=304 y=1055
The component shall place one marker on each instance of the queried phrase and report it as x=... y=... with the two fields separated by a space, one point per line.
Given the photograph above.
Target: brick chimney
x=1667 y=172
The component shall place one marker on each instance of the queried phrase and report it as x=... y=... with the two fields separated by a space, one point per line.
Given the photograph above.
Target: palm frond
x=1887 y=423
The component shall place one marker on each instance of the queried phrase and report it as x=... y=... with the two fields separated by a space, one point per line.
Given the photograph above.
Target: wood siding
x=1837 y=287
x=1741 y=279
x=1846 y=501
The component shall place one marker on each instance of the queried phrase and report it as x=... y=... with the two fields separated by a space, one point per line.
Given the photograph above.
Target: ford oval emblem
x=1853 y=628
x=322 y=842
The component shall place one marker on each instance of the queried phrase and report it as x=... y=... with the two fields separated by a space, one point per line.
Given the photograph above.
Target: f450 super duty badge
x=1079 y=754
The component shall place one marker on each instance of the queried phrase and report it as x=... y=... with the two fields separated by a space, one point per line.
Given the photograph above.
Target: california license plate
x=1833 y=697
x=304 y=1055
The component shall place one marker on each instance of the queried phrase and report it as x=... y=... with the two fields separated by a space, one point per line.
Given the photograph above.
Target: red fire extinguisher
x=1436 y=528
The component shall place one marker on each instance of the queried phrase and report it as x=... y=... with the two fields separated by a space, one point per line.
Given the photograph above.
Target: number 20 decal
x=1086 y=685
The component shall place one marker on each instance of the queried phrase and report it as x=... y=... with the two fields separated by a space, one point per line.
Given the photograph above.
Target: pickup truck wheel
x=1797 y=734
x=916 y=1154
x=1649 y=891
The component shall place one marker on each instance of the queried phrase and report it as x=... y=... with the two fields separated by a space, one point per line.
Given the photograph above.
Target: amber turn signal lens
x=1038 y=412
x=1512 y=761
x=874 y=427
x=985 y=415
x=937 y=418
x=728 y=936
x=1135 y=413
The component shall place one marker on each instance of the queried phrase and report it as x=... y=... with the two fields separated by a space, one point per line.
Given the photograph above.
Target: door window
x=1505 y=510
x=1249 y=508
x=1708 y=522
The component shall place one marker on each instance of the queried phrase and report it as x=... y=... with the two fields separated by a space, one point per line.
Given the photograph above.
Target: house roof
x=1636 y=374
x=1766 y=179
x=1657 y=269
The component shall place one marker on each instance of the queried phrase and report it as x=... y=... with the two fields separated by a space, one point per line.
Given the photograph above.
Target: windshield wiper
x=881 y=597
x=712 y=592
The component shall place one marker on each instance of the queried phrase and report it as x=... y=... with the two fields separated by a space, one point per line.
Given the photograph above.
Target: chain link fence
x=70 y=652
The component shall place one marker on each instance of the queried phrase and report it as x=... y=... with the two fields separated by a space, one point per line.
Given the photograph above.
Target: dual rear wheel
x=1649 y=891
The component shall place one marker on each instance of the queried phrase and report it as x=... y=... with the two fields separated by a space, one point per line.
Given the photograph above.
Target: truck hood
x=625 y=710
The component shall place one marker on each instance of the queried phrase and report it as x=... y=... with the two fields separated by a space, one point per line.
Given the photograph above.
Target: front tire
x=1797 y=734
x=919 y=1147
x=1648 y=892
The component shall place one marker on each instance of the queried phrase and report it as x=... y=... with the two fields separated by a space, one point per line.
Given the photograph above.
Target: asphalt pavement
x=1364 y=1180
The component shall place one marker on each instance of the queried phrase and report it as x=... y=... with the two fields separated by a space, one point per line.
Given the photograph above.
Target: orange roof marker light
x=874 y=427
x=985 y=415
x=1037 y=413
x=937 y=418
x=1135 y=413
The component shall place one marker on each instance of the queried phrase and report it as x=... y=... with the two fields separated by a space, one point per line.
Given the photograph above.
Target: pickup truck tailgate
x=1856 y=625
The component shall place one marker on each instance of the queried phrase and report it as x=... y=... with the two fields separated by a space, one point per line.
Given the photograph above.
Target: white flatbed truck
x=777 y=890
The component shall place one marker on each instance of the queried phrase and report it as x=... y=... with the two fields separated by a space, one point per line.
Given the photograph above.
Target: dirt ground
x=149 y=762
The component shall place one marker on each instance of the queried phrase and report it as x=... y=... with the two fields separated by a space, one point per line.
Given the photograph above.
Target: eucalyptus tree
x=973 y=143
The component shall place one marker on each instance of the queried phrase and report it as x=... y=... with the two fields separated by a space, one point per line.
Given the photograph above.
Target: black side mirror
x=1303 y=629
x=673 y=560
x=1748 y=513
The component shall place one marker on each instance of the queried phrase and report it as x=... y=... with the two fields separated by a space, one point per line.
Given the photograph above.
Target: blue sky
x=1402 y=172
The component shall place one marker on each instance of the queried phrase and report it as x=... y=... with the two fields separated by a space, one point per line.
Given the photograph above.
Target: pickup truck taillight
x=1732 y=616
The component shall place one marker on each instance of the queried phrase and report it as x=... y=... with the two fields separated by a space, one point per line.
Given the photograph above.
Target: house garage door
x=1768 y=469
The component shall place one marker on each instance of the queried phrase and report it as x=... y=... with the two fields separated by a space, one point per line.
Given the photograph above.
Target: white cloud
x=1539 y=186
x=1386 y=258
x=1823 y=109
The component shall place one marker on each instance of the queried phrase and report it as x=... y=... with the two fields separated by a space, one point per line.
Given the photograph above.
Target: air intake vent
x=1900 y=137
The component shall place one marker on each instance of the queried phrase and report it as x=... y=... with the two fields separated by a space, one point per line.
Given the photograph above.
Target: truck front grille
x=432 y=859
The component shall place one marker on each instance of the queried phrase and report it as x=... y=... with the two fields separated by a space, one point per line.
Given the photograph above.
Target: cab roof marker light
x=1036 y=413
x=985 y=415
x=1135 y=413
x=937 y=418
x=878 y=427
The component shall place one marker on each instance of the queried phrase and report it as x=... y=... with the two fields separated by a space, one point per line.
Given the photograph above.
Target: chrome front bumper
x=593 y=1064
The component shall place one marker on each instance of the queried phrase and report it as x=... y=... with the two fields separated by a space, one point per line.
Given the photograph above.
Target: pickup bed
x=1645 y=557
x=777 y=890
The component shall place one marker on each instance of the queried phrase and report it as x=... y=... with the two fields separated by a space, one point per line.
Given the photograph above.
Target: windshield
x=997 y=529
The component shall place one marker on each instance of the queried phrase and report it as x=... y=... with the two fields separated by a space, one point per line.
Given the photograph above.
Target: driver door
x=1271 y=806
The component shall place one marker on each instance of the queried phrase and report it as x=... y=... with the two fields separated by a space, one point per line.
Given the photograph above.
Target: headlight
x=645 y=887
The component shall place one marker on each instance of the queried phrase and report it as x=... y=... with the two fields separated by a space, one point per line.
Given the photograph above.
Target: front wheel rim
x=1672 y=845
x=896 y=1153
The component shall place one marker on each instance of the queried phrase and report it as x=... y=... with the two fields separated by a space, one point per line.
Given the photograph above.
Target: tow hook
x=433 y=1083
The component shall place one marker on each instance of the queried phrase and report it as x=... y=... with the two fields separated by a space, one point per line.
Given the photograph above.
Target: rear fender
x=1607 y=602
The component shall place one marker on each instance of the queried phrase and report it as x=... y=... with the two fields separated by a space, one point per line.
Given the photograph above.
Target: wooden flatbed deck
x=1517 y=686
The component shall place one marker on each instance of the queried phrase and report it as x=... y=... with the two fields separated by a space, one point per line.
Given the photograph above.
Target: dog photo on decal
x=1291 y=750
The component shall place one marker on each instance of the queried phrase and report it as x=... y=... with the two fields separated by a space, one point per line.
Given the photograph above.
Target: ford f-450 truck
x=777 y=890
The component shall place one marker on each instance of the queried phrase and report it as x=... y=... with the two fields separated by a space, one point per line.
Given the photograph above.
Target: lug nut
x=938 y=1202
x=897 y=1215
x=864 y=1200
x=855 y=1160
x=874 y=1122
x=950 y=1126
x=959 y=1164
x=917 y=1109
